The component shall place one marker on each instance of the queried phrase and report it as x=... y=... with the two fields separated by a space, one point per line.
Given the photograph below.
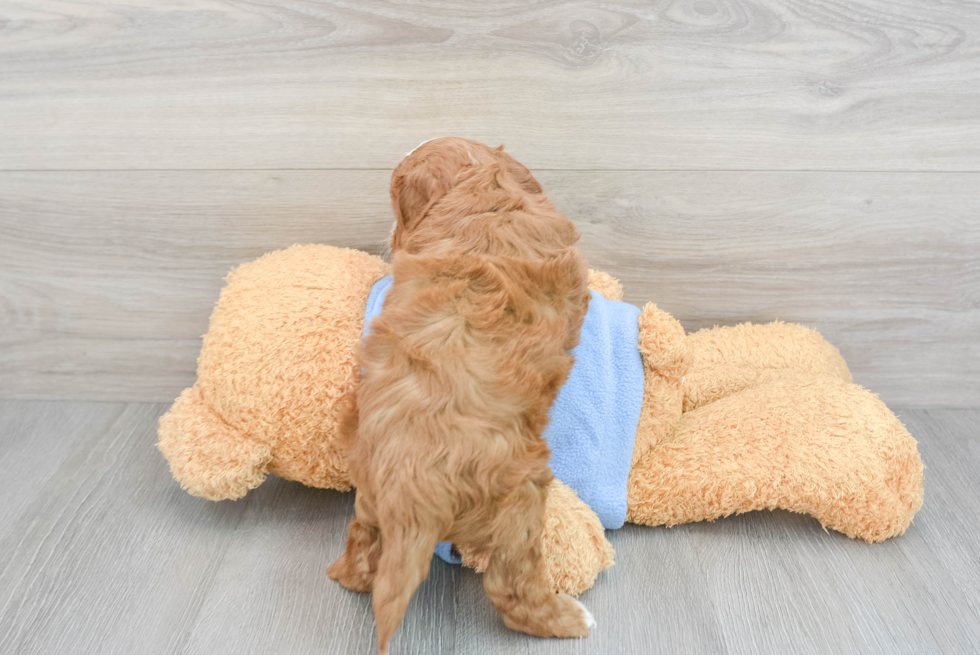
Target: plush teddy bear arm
x=208 y=457
x=665 y=353
x=812 y=444
x=573 y=543
x=725 y=360
x=605 y=284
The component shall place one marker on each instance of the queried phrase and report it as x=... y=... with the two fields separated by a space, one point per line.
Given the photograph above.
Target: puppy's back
x=461 y=368
x=488 y=297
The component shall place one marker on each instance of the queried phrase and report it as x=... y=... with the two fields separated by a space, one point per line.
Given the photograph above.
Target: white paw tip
x=589 y=619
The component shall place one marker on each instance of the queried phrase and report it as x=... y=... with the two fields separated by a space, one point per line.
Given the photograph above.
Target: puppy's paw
x=589 y=619
x=358 y=579
x=561 y=616
x=571 y=619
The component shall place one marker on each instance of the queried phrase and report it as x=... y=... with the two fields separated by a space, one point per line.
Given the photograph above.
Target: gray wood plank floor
x=101 y=552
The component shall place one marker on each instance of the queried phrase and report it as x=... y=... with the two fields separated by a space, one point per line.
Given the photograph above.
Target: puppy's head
x=432 y=170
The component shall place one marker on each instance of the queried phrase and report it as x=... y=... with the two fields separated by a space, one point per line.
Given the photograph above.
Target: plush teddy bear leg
x=814 y=445
x=665 y=352
x=207 y=456
x=725 y=360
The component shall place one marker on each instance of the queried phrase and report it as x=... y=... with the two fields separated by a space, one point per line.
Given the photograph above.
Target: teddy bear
x=726 y=420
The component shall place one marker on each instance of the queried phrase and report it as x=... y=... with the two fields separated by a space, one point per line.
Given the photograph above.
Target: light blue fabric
x=445 y=552
x=376 y=300
x=594 y=418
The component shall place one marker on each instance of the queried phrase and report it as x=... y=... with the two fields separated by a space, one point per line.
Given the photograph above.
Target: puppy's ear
x=518 y=172
x=415 y=188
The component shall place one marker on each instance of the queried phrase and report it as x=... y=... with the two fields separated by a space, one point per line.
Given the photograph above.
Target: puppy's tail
x=406 y=554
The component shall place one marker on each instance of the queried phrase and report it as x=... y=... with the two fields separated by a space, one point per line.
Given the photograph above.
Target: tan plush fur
x=277 y=359
x=770 y=420
x=606 y=284
x=463 y=363
x=785 y=444
x=733 y=419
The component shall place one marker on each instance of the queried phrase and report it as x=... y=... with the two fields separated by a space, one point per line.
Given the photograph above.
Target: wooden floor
x=101 y=552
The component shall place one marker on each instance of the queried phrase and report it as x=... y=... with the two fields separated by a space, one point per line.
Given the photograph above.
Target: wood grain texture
x=950 y=445
x=272 y=593
x=106 y=285
x=35 y=441
x=682 y=84
x=103 y=553
x=101 y=560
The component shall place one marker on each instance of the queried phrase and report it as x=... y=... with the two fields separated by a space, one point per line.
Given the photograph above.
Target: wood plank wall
x=809 y=161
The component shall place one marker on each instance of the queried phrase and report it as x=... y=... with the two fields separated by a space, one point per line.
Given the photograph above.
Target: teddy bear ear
x=208 y=457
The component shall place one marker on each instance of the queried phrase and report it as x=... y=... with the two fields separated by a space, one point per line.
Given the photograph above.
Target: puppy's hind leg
x=515 y=579
x=356 y=568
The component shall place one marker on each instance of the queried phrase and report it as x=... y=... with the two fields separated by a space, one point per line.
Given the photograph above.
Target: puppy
x=444 y=440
